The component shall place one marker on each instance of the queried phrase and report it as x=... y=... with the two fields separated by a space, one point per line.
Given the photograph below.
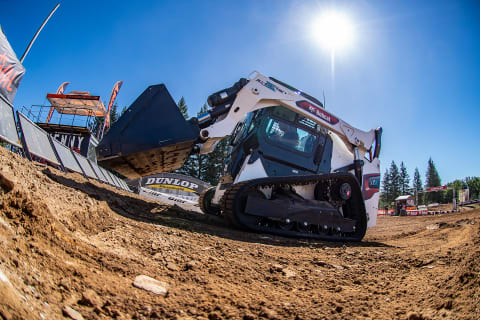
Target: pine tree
x=215 y=162
x=395 y=180
x=96 y=126
x=404 y=180
x=183 y=107
x=206 y=167
x=188 y=167
x=417 y=187
x=386 y=196
x=453 y=188
x=473 y=184
x=391 y=185
x=417 y=181
x=201 y=160
x=433 y=180
x=195 y=165
x=114 y=114
x=124 y=109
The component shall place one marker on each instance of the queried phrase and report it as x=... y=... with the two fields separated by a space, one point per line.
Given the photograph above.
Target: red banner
x=113 y=96
x=11 y=70
x=422 y=212
x=440 y=188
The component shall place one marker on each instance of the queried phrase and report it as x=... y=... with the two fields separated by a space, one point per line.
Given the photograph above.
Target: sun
x=332 y=30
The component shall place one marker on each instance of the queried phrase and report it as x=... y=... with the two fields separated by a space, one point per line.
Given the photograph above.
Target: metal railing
x=39 y=114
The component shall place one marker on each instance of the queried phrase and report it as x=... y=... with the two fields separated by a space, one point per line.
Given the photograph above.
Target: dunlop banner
x=11 y=70
x=174 y=182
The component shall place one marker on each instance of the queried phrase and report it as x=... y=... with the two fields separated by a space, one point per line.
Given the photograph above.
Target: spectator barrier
x=37 y=144
x=66 y=157
x=87 y=168
x=35 y=141
x=422 y=212
x=97 y=171
x=107 y=175
x=8 y=129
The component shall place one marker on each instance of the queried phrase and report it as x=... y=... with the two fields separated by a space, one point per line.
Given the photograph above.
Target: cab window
x=290 y=136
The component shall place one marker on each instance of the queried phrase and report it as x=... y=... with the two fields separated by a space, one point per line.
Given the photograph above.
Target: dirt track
x=68 y=242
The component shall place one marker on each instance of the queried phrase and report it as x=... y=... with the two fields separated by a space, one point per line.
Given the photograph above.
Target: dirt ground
x=73 y=248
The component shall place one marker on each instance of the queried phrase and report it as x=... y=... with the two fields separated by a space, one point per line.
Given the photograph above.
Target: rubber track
x=230 y=195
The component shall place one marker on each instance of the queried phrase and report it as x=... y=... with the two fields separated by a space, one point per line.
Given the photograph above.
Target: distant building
x=403 y=203
x=463 y=195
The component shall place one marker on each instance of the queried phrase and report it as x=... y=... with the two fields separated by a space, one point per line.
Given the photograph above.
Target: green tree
x=96 y=125
x=189 y=165
x=417 y=187
x=114 y=114
x=183 y=107
x=195 y=165
x=124 y=109
x=455 y=185
x=386 y=196
x=433 y=180
x=207 y=167
x=391 y=185
x=473 y=184
x=396 y=181
x=215 y=162
x=404 y=180
x=458 y=184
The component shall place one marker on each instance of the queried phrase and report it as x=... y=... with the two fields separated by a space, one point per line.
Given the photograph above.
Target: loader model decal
x=316 y=111
x=371 y=185
x=270 y=86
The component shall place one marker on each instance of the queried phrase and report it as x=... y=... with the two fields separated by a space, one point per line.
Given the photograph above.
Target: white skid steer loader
x=294 y=169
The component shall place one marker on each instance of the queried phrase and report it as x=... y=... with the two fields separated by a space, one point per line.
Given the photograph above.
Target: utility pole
x=416 y=199
x=454 y=200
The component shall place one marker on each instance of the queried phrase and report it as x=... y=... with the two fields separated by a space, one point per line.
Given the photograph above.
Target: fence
x=39 y=113
x=37 y=144
x=421 y=212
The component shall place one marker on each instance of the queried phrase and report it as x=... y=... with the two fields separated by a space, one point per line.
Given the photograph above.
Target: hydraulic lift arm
x=261 y=92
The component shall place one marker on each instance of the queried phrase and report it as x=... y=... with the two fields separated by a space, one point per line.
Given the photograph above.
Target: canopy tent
x=405 y=197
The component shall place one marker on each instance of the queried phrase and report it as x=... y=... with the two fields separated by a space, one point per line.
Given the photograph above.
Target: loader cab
x=285 y=142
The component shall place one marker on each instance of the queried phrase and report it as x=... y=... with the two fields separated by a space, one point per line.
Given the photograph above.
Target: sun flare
x=332 y=30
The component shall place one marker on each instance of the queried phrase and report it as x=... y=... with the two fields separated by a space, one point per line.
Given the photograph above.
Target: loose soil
x=72 y=247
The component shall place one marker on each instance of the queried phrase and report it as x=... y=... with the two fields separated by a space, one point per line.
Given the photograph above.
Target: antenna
x=324 y=103
x=38 y=31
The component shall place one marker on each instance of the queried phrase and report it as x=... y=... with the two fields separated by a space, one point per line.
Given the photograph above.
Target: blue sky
x=413 y=67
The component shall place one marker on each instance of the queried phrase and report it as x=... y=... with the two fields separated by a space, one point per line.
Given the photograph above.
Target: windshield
x=290 y=136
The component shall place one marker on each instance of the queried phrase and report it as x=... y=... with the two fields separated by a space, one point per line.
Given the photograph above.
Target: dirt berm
x=73 y=248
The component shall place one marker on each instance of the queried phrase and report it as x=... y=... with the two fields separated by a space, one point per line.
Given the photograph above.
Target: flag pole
x=113 y=96
x=38 y=31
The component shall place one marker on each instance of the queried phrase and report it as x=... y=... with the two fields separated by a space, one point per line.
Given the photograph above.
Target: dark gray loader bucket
x=151 y=137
